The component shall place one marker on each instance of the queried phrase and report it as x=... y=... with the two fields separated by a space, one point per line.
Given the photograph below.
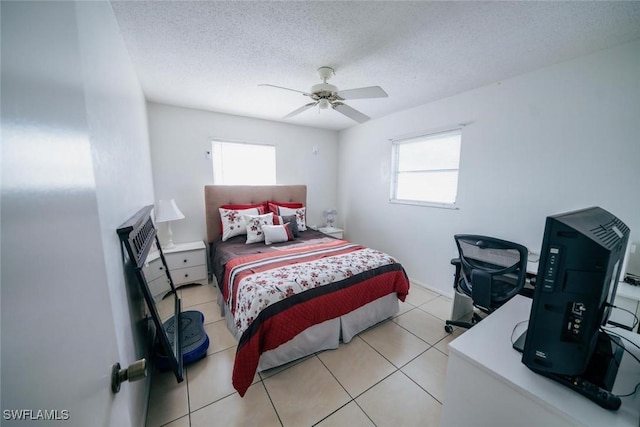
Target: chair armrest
x=458 y=264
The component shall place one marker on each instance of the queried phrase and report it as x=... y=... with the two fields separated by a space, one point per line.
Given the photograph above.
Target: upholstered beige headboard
x=218 y=195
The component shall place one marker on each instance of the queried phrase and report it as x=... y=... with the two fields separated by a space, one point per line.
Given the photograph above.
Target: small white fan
x=330 y=216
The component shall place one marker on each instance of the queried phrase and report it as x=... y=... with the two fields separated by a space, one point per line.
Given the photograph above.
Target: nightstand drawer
x=159 y=287
x=153 y=270
x=189 y=274
x=185 y=259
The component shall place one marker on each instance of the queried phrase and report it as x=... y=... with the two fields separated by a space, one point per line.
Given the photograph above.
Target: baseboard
x=431 y=288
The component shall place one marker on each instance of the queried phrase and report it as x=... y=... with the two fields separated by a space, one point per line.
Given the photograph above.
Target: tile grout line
x=352 y=399
x=271 y=400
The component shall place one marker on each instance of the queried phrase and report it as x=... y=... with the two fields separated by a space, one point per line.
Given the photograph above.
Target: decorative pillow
x=291 y=219
x=273 y=206
x=262 y=208
x=277 y=233
x=233 y=223
x=254 y=226
x=300 y=213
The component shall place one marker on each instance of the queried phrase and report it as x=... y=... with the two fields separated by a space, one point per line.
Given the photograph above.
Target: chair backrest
x=493 y=270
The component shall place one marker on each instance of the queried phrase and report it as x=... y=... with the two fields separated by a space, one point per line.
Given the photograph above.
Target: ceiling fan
x=325 y=95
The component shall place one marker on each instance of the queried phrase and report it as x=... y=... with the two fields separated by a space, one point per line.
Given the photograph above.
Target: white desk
x=488 y=385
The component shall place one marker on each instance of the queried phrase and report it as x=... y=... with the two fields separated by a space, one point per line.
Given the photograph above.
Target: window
x=237 y=163
x=425 y=169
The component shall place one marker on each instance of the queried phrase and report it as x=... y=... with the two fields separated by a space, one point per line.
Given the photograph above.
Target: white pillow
x=233 y=223
x=254 y=225
x=300 y=213
x=277 y=233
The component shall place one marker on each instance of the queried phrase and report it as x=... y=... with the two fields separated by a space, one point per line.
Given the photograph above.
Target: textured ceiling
x=212 y=55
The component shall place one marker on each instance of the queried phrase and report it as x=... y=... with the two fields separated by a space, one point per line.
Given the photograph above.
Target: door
x=57 y=324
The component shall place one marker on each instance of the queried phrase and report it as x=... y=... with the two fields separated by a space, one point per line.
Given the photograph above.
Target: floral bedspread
x=276 y=295
x=257 y=283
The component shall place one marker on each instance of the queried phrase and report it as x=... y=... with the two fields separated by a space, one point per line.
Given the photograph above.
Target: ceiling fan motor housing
x=322 y=88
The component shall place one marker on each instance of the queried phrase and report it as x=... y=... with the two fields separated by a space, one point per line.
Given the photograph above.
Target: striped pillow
x=291 y=219
x=277 y=233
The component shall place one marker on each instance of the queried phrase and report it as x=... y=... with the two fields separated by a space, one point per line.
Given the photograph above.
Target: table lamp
x=168 y=211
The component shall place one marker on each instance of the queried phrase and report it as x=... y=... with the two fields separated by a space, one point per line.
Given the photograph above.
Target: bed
x=296 y=295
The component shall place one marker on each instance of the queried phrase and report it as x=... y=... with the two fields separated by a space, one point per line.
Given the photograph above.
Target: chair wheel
x=448 y=329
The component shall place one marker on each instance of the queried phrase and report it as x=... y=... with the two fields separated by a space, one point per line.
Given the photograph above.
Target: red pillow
x=273 y=206
x=262 y=209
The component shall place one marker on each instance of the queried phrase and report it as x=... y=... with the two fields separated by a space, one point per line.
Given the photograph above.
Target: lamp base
x=169 y=244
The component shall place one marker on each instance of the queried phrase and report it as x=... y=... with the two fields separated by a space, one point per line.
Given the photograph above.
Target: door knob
x=136 y=371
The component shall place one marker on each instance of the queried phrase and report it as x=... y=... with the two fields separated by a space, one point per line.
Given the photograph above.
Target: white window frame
x=395 y=157
x=215 y=158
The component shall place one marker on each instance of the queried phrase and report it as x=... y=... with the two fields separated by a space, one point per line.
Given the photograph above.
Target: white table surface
x=488 y=347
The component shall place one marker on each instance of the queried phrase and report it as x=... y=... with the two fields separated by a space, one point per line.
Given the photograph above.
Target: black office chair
x=490 y=271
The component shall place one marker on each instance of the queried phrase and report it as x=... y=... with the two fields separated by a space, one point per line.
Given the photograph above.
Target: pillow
x=233 y=223
x=254 y=226
x=300 y=213
x=277 y=233
x=273 y=206
x=262 y=208
x=291 y=219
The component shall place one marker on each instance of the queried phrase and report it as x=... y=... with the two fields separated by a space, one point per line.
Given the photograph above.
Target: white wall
x=72 y=115
x=557 y=139
x=181 y=136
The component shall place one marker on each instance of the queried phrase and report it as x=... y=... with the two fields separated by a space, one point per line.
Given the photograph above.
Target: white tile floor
x=390 y=375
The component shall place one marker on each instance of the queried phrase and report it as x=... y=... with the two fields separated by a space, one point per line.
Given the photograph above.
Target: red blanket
x=363 y=275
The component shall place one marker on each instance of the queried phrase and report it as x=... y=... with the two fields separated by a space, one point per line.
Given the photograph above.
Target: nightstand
x=187 y=263
x=332 y=231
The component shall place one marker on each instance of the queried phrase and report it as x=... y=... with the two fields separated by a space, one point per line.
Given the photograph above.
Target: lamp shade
x=323 y=104
x=168 y=211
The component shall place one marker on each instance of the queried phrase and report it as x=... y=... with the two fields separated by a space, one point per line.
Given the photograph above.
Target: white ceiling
x=212 y=55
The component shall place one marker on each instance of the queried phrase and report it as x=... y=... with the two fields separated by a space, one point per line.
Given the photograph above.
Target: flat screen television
x=580 y=265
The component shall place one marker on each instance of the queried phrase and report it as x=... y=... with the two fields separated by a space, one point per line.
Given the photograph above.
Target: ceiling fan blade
x=285 y=88
x=363 y=92
x=300 y=110
x=351 y=113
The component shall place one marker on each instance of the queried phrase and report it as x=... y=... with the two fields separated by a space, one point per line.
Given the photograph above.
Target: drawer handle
x=184 y=260
x=186 y=275
x=161 y=268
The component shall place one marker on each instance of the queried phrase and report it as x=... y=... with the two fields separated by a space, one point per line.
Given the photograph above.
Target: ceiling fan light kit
x=325 y=95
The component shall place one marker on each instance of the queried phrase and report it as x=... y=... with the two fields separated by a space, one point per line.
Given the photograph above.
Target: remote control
x=591 y=391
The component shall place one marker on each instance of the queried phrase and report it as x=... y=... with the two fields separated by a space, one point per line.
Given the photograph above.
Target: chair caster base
x=448 y=329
